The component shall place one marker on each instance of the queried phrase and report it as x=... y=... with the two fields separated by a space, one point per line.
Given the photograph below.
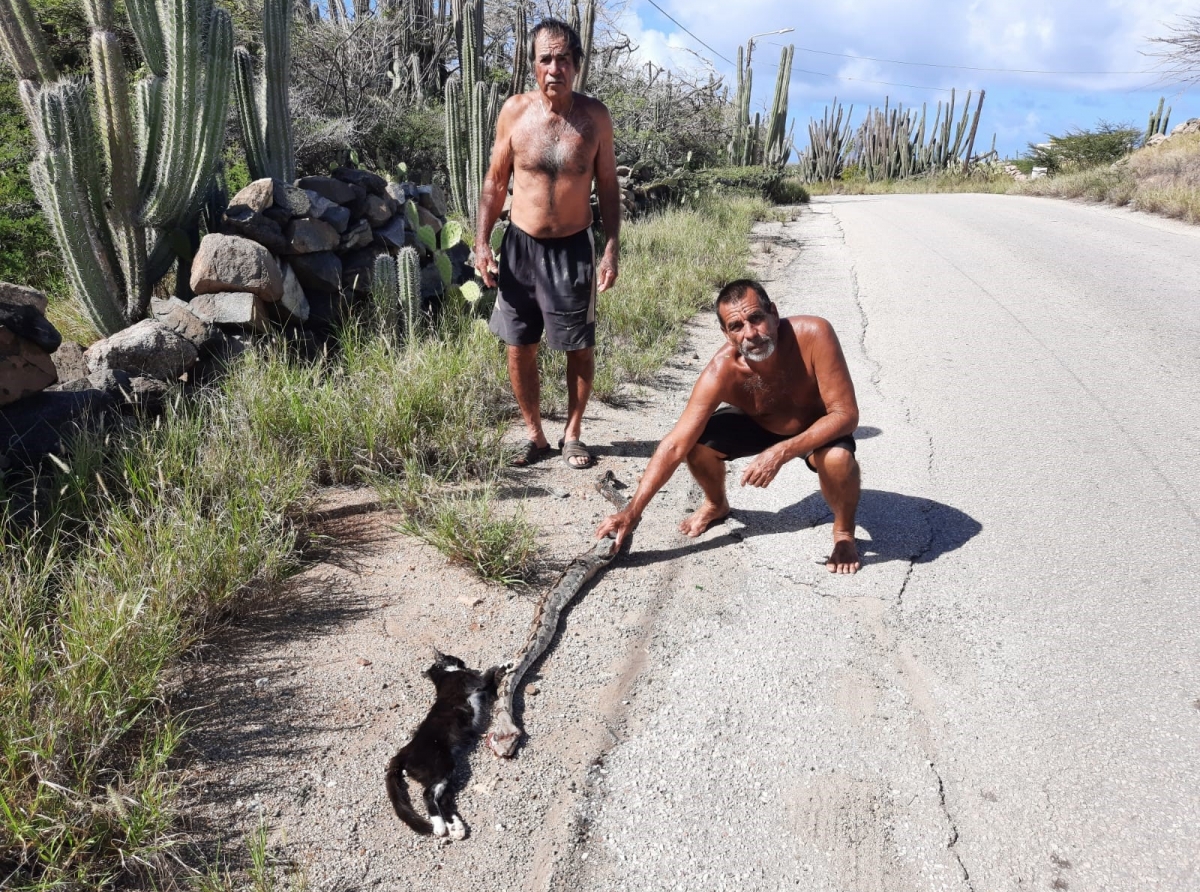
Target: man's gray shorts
x=546 y=283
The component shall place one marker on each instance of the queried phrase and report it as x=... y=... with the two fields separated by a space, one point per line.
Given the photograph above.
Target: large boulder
x=177 y=315
x=358 y=236
x=1192 y=125
x=148 y=348
x=28 y=323
x=258 y=196
x=69 y=361
x=392 y=235
x=378 y=210
x=292 y=199
x=231 y=263
x=233 y=309
x=25 y=367
x=428 y=218
x=364 y=179
x=333 y=189
x=433 y=198
x=21 y=295
x=256 y=226
x=337 y=216
x=294 y=301
x=358 y=269
x=320 y=272
x=37 y=425
x=307 y=236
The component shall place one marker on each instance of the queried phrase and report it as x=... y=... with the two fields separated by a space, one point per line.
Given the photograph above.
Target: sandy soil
x=300 y=706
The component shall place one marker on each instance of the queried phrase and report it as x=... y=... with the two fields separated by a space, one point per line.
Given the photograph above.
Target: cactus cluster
x=891 y=143
x=396 y=291
x=751 y=144
x=472 y=106
x=263 y=110
x=829 y=144
x=1158 y=121
x=120 y=184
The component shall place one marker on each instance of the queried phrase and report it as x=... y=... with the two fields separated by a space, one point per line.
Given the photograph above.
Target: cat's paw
x=458 y=830
x=439 y=827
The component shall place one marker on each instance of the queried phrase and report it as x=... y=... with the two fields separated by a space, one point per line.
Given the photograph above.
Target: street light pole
x=750 y=42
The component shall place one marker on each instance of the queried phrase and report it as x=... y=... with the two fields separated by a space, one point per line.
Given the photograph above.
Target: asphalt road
x=1007 y=696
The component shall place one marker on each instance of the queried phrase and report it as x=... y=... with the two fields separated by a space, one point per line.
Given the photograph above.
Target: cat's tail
x=397 y=788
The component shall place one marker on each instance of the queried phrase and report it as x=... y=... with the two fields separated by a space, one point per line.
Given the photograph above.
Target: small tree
x=1080 y=149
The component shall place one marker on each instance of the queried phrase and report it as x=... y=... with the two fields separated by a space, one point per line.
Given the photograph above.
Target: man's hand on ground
x=763 y=469
x=618 y=525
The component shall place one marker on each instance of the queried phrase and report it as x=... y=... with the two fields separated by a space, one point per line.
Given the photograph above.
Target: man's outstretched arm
x=667 y=458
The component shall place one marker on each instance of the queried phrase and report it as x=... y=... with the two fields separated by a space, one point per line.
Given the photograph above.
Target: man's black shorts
x=733 y=434
x=546 y=283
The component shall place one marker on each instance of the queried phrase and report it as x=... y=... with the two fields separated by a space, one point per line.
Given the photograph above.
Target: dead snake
x=504 y=735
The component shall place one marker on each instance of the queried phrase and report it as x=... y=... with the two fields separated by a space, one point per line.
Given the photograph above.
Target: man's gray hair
x=736 y=290
x=556 y=28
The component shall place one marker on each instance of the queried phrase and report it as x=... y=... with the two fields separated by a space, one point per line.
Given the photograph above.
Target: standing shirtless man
x=790 y=396
x=553 y=141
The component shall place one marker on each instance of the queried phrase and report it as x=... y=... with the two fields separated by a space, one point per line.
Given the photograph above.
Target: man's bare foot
x=844 y=558
x=703 y=517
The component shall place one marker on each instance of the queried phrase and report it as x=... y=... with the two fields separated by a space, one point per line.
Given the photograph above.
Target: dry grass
x=1162 y=179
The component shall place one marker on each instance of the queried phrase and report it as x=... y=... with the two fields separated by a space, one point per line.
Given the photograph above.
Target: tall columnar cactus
x=520 y=51
x=738 y=145
x=1158 y=121
x=117 y=184
x=828 y=144
x=778 y=146
x=472 y=106
x=585 y=27
x=891 y=143
x=263 y=110
x=396 y=290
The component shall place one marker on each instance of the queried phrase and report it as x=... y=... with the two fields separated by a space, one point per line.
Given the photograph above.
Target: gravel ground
x=300 y=706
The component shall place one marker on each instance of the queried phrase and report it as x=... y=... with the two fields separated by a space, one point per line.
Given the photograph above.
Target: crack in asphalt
x=926 y=513
x=876 y=382
x=952 y=843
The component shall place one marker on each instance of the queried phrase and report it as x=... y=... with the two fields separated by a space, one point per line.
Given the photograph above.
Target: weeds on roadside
x=1162 y=179
x=466 y=526
x=153 y=532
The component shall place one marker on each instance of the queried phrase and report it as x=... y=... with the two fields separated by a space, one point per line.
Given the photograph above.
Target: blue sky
x=1089 y=44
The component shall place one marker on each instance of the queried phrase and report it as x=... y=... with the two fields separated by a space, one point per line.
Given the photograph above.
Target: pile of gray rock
x=1192 y=125
x=289 y=257
x=643 y=188
x=302 y=253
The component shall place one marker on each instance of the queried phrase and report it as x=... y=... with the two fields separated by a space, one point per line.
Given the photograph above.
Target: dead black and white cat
x=458 y=714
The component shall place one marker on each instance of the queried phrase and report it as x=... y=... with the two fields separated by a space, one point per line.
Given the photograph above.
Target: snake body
x=505 y=733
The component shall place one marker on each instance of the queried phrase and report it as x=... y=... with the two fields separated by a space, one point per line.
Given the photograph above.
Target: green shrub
x=1081 y=149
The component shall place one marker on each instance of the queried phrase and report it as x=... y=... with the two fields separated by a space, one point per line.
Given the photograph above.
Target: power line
x=962 y=67
x=690 y=34
x=861 y=80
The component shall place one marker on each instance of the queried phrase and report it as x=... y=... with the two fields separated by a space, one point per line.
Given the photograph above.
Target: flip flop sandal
x=531 y=454
x=575 y=449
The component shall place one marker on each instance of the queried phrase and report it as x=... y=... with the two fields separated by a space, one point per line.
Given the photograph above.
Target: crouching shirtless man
x=789 y=396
